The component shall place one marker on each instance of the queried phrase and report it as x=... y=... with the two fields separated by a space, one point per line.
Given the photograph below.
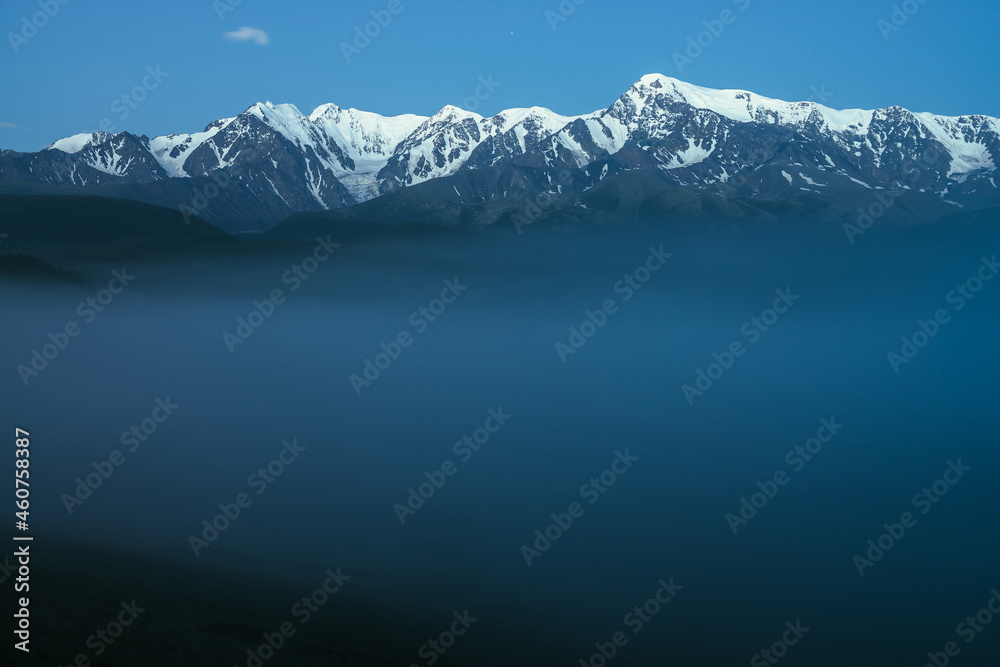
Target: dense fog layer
x=495 y=350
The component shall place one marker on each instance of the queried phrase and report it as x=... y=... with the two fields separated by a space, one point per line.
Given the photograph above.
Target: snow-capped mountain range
x=270 y=161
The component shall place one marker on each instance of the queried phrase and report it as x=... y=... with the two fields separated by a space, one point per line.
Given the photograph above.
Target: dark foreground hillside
x=179 y=614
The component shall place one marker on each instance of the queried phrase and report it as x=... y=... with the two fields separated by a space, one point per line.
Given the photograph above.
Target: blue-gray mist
x=696 y=445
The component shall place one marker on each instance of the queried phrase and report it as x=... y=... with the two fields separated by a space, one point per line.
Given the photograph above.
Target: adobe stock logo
x=698 y=44
x=635 y=620
x=969 y=630
x=541 y=202
x=595 y=320
x=959 y=297
x=221 y=180
x=593 y=491
x=796 y=459
x=103 y=638
x=31 y=26
x=421 y=319
x=754 y=329
x=924 y=501
x=131 y=440
x=901 y=15
x=487 y=86
x=260 y=481
x=223 y=7
x=435 y=648
x=129 y=101
x=779 y=649
x=363 y=36
x=561 y=13
x=295 y=276
x=438 y=476
x=302 y=611
x=87 y=310
x=884 y=201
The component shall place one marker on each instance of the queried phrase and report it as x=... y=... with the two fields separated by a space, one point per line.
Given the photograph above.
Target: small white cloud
x=248 y=34
x=10 y=125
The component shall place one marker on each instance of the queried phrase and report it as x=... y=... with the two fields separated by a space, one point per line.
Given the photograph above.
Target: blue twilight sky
x=65 y=77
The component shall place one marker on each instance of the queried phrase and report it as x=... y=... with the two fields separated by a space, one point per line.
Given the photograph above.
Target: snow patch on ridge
x=693 y=154
x=747 y=107
x=163 y=148
x=966 y=156
x=78 y=142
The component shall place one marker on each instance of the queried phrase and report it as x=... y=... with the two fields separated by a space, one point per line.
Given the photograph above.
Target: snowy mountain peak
x=78 y=142
x=219 y=124
x=739 y=105
x=324 y=110
x=451 y=113
x=355 y=121
x=509 y=118
x=284 y=113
